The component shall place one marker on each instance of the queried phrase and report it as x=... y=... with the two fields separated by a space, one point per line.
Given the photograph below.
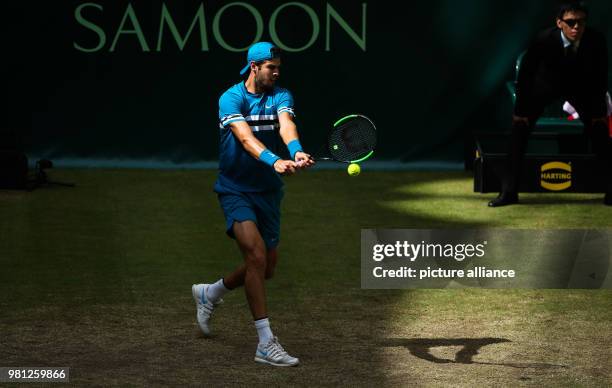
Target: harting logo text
x=556 y=176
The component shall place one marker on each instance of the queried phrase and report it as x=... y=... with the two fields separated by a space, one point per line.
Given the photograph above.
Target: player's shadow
x=421 y=347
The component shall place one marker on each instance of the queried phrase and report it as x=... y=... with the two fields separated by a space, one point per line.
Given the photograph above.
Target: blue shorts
x=263 y=208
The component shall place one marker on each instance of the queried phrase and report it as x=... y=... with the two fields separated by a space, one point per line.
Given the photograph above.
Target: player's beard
x=264 y=85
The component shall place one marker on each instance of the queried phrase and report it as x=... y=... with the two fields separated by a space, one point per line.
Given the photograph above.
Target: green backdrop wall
x=93 y=79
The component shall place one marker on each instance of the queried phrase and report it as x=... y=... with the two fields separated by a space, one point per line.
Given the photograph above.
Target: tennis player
x=255 y=117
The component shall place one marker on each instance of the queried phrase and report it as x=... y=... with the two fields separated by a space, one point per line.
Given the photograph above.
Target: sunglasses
x=572 y=22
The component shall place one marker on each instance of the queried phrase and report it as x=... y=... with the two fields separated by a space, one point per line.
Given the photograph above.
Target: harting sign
x=556 y=176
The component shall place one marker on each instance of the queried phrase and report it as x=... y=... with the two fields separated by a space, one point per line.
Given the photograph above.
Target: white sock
x=216 y=291
x=263 y=330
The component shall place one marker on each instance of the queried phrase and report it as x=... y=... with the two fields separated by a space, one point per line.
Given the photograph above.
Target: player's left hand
x=303 y=160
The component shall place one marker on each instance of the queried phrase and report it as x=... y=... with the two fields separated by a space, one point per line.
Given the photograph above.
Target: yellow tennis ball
x=353 y=169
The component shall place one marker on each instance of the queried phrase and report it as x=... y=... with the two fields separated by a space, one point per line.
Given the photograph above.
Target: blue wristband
x=268 y=157
x=294 y=146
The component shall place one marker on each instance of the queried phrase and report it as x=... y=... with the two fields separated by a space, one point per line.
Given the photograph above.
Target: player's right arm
x=242 y=131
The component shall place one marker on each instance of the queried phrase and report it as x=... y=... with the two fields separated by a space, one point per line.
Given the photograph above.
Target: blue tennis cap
x=258 y=52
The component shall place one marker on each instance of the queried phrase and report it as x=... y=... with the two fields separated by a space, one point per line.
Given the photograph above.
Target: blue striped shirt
x=237 y=169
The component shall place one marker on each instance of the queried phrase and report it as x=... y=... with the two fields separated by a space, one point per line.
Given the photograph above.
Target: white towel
x=572 y=111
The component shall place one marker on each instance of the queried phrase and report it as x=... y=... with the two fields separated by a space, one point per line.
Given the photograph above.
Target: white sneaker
x=273 y=353
x=204 y=306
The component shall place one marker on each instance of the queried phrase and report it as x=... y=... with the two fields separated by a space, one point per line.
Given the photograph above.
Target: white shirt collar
x=566 y=41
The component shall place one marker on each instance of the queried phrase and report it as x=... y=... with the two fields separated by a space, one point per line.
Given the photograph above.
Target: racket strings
x=353 y=139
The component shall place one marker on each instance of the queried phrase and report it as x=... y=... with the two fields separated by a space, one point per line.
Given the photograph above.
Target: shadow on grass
x=525 y=199
x=446 y=200
x=414 y=191
x=362 y=202
x=421 y=347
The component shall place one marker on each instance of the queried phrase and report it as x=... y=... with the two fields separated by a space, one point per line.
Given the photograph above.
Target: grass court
x=98 y=278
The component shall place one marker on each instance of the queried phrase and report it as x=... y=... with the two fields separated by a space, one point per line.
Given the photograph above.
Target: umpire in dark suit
x=568 y=62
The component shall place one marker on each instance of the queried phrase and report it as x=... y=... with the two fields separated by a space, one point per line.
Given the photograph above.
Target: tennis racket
x=352 y=139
